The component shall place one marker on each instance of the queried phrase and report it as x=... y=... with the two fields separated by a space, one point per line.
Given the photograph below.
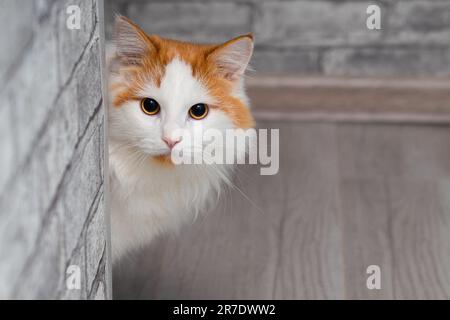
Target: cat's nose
x=171 y=142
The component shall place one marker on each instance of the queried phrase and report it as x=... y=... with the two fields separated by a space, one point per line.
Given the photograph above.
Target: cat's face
x=161 y=88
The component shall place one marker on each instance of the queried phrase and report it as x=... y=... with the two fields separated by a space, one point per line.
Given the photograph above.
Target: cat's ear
x=131 y=42
x=232 y=57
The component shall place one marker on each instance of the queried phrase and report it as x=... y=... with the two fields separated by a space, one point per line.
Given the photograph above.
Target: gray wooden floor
x=347 y=196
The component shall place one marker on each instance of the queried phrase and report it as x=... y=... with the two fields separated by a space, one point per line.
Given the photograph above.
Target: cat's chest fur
x=149 y=198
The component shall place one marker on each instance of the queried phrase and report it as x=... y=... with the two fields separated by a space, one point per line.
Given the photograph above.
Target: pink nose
x=171 y=142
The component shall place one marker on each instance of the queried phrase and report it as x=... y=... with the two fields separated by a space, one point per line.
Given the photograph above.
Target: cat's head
x=160 y=86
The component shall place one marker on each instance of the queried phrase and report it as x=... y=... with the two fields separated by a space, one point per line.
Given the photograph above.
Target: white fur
x=148 y=198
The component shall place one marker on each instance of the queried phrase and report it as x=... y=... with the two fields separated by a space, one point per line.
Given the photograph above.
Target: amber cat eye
x=199 y=111
x=150 y=106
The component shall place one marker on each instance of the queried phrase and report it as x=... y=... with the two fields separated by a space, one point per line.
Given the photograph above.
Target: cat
x=157 y=86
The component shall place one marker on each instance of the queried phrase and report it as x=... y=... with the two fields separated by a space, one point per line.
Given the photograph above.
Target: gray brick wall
x=52 y=208
x=324 y=37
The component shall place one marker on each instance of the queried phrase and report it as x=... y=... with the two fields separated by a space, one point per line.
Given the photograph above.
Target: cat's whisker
x=230 y=183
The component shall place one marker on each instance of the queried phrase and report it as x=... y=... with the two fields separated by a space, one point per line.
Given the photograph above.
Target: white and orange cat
x=158 y=86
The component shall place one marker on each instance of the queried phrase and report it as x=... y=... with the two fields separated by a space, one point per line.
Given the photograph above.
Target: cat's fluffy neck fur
x=150 y=198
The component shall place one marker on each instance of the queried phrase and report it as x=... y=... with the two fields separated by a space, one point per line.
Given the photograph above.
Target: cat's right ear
x=131 y=42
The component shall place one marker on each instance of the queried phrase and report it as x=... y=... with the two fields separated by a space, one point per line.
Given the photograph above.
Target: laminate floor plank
x=347 y=196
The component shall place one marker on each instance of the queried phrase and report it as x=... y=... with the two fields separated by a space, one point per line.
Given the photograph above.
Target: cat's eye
x=150 y=106
x=199 y=111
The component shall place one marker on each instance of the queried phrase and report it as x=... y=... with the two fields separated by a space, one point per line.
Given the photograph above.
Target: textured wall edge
x=108 y=267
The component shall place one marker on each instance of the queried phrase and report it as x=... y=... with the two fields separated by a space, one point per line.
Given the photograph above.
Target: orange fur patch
x=163 y=160
x=162 y=52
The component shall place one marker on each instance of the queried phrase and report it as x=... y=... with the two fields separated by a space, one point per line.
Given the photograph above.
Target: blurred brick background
x=310 y=37
x=52 y=151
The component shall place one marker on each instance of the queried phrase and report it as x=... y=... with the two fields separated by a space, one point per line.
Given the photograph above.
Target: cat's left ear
x=232 y=57
x=132 y=43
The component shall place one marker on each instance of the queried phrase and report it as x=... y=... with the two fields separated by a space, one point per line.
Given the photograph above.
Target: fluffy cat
x=158 y=86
